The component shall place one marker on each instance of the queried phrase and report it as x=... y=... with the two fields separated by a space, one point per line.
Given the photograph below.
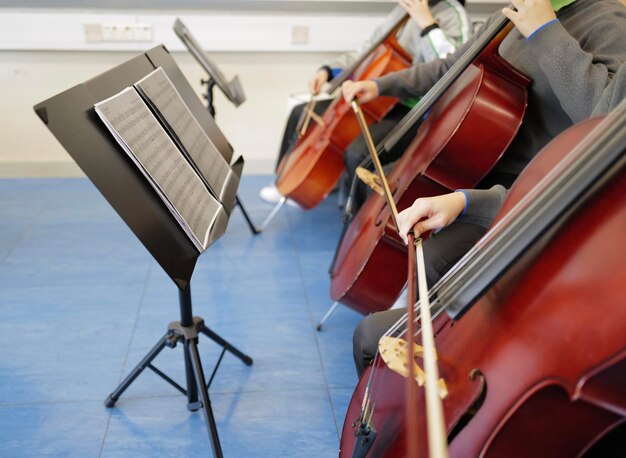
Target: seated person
x=471 y=211
x=570 y=49
x=463 y=211
x=436 y=29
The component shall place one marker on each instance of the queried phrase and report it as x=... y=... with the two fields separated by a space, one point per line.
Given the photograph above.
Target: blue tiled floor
x=81 y=302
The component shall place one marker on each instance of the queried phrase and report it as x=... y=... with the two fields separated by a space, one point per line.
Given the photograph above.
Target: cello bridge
x=371 y=180
x=395 y=353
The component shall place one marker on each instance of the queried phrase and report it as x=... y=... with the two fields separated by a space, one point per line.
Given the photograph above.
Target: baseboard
x=40 y=170
x=70 y=169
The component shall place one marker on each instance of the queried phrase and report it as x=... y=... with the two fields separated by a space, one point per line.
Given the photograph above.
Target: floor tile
x=72 y=429
x=276 y=424
x=82 y=302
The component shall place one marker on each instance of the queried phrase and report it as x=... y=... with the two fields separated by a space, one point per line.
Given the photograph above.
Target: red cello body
x=537 y=366
x=466 y=132
x=311 y=171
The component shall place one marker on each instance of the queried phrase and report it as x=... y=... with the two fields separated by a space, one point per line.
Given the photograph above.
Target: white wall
x=254 y=129
x=45 y=52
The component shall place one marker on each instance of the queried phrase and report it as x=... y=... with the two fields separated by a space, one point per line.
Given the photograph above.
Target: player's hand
x=530 y=15
x=419 y=12
x=363 y=90
x=430 y=213
x=318 y=80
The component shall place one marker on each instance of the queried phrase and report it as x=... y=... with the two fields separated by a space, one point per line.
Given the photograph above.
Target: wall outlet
x=143 y=32
x=93 y=33
x=299 y=34
x=109 y=32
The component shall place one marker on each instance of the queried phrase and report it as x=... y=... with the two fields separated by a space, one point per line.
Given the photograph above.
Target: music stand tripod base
x=70 y=117
x=187 y=330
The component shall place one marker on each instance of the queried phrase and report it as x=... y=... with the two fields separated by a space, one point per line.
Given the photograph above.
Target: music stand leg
x=192 y=388
x=251 y=225
x=273 y=213
x=207 y=411
x=145 y=362
x=196 y=384
x=187 y=330
x=342 y=196
x=327 y=315
x=227 y=346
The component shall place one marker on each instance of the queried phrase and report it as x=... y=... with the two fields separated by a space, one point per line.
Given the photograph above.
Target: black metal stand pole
x=186 y=321
x=208 y=96
x=253 y=228
x=188 y=328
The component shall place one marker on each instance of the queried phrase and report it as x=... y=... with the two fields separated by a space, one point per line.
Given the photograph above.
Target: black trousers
x=290 y=136
x=357 y=151
x=441 y=251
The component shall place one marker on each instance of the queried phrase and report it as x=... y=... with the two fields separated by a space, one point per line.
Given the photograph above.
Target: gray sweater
x=483 y=204
x=453 y=32
x=614 y=93
x=570 y=61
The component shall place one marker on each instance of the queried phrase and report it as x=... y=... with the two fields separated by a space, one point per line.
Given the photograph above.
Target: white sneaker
x=272 y=195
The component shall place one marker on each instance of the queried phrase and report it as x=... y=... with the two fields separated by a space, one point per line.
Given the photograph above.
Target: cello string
x=428 y=100
x=409 y=118
x=526 y=204
x=444 y=82
x=437 y=443
x=576 y=156
x=469 y=55
x=574 y=166
x=302 y=127
x=366 y=56
x=371 y=386
x=379 y=169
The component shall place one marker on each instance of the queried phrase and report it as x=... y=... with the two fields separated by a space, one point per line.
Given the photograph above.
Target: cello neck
x=597 y=159
x=541 y=210
x=391 y=31
x=495 y=31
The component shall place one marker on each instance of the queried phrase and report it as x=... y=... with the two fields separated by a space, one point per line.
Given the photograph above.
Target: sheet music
x=159 y=91
x=146 y=142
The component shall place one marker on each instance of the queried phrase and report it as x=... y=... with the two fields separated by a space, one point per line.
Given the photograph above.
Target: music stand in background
x=232 y=90
x=71 y=117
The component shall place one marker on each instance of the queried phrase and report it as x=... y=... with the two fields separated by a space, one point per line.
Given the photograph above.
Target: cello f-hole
x=379 y=218
x=475 y=375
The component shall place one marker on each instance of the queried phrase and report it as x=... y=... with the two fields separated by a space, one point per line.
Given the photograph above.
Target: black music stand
x=71 y=117
x=232 y=90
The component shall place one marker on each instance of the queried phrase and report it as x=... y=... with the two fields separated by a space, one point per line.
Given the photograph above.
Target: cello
x=396 y=354
x=311 y=171
x=529 y=324
x=478 y=105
